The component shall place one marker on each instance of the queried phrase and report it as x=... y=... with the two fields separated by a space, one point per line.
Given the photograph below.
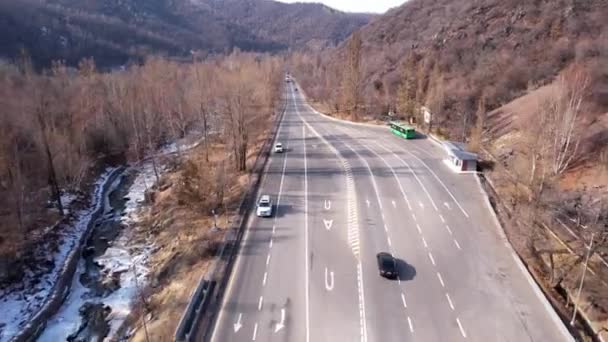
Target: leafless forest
x=59 y=126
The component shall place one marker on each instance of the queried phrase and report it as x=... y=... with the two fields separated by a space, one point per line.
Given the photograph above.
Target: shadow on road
x=406 y=271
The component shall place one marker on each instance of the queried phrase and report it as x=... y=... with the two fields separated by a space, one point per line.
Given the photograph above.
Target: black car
x=387 y=265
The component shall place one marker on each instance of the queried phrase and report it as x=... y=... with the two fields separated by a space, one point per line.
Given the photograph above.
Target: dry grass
x=185 y=246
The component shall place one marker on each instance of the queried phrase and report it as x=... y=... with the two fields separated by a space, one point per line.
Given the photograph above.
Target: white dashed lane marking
x=449 y=301
x=432 y=259
x=457 y=244
x=464 y=334
x=255 y=332
x=440 y=279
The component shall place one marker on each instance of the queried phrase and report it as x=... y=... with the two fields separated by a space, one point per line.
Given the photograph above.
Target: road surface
x=345 y=192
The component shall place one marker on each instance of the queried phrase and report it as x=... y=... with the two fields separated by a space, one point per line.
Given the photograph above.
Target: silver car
x=264 y=208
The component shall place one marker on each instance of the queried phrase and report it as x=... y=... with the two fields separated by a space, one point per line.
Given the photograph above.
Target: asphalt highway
x=344 y=192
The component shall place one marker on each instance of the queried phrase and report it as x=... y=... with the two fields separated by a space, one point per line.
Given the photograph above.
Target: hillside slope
x=495 y=47
x=116 y=31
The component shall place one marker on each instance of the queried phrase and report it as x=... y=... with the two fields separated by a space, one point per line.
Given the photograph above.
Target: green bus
x=402 y=130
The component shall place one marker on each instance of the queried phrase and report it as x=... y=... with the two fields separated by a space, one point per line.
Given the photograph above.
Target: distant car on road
x=264 y=208
x=387 y=265
x=278 y=148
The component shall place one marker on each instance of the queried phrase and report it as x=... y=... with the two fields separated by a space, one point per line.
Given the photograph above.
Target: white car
x=264 y=208
x=278 y=148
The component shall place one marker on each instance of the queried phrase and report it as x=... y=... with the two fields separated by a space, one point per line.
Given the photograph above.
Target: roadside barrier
x=199 y=317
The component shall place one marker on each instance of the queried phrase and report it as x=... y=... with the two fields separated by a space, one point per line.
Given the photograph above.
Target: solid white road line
x=255 y=332
x=363 y=320
x=447 y=295
x=403 y=300
x=260 y=302
x=265 y=277
x=436 y=177
x=307 y=286
x=464 y=334
x=457 y=244
x=440 y=279
x=409 y=322
x=412 y=172
x=431 y=257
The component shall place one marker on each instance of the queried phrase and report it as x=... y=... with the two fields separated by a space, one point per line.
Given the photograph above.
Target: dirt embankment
x=550 y=229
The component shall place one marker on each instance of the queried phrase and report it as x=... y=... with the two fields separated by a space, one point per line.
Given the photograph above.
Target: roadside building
x=458 y=158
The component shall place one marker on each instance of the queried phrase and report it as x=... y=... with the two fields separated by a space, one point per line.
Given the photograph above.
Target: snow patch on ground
x=67 y=320
x=22 y=301
x=121 y=258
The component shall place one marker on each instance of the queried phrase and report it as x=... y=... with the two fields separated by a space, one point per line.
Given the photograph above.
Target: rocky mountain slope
x=116 y=31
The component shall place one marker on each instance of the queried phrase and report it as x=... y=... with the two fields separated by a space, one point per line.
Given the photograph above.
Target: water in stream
x=85 y=315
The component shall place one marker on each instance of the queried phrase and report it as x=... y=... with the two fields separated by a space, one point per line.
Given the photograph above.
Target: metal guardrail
x=204 y=304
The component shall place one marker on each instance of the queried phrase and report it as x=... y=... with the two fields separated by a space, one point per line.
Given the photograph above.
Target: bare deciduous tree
x=563 y=111
x=352 y=79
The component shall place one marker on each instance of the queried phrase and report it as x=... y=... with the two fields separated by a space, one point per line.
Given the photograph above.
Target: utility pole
x=580 y=286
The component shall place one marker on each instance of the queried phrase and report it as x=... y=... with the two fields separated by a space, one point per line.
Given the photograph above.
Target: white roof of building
x=457 y=150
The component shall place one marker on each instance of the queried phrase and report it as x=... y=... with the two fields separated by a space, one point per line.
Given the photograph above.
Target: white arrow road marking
x=394 y=204
x=329 y=285
x=367 y=201
x=327 y=205
x=238 y=325
x=328 y=224
x=447 y=205
x=281 y=324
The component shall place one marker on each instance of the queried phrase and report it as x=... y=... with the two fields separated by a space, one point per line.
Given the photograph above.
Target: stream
x=85 y=315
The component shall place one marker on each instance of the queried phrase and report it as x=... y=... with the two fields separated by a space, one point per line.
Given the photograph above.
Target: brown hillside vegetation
x=468 y=48
x=116 y=32
x=74 y=121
